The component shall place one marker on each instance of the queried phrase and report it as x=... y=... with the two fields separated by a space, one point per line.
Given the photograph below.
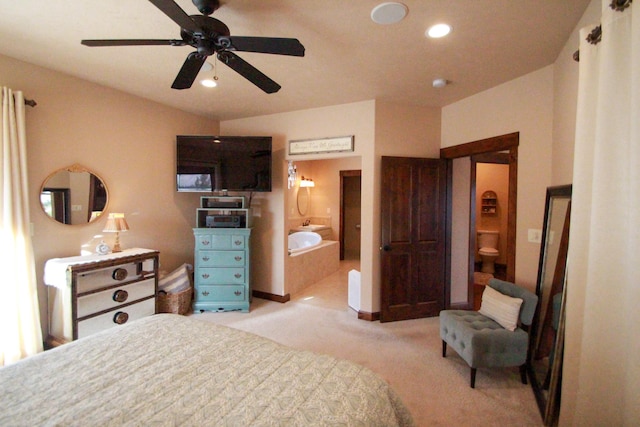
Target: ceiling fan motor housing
x=206 y=7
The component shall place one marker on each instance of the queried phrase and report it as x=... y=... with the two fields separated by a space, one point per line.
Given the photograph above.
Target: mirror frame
x=306 y=202
x=549 y=405
x=75 y=168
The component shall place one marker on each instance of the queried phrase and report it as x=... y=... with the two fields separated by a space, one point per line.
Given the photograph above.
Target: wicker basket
x=178 y=303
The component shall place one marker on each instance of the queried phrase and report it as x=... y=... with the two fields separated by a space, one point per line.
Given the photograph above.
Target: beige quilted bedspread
x=169 y=370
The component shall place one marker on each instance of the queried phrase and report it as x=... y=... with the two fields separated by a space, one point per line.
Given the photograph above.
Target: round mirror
x=303 y=200
x=74 y=195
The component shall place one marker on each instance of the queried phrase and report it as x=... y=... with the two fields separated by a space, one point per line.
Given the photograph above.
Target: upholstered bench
x=482 y=341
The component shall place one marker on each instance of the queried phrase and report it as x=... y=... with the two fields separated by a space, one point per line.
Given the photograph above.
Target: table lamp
x=115 y=224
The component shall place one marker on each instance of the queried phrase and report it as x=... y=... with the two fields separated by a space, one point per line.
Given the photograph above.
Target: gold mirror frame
x=303 y=200
x=74 y=195
x=547 y=330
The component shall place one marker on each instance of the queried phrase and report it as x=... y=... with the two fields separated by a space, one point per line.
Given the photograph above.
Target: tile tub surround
x=306 y=268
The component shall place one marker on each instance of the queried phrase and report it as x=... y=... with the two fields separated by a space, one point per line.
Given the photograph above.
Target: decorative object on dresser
x=115 y=224
x=88 y=294
x=222 y=255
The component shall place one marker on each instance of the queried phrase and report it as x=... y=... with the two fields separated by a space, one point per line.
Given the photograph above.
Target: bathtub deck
x=306 y=268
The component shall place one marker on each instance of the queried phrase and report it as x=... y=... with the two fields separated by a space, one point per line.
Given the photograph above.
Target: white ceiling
x=348 y=57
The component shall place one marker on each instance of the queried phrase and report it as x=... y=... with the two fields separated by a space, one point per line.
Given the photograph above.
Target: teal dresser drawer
x=222 y=269
x=221 y=276
x=220 y=242
x=221 y=293
x=221 y=258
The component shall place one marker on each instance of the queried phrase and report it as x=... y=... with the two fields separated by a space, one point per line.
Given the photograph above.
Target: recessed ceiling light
x=389 y=13
x=438 y=30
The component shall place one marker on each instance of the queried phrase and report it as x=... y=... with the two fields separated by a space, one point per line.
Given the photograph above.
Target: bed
x=170 y=370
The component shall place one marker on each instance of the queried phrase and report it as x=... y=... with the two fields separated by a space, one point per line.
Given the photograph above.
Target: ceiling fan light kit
x=440 y=83
x=389 y=13
x=210 y=36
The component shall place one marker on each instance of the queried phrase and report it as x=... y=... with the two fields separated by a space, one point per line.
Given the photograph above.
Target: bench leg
x=473 y=377
x=523 y=373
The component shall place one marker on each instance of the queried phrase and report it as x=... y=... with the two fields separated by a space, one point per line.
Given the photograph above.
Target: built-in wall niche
x=489 y=203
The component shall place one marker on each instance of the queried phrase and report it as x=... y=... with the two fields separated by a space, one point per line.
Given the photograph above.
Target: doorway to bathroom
x=350 y=210
x=490 y=183
x=462 y=243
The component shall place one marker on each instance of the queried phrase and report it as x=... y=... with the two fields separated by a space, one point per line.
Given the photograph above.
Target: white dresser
x=88 y=294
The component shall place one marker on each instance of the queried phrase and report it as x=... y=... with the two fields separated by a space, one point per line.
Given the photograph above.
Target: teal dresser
x=221 y=276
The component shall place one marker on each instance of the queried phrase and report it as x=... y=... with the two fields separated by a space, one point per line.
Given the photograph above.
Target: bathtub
x=303 y=241
x=311 y=264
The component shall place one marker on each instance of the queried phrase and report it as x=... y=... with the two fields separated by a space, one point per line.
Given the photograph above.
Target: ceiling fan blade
x=179 y=16
x=189 y=71
x=125 y=42
x=248 y=71
x=274 y=45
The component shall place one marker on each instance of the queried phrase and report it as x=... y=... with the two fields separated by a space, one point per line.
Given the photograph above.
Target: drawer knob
x=238 y=258
x=120 y=318
x=237 y=275
x=119 y=274
x=205 y=276
x=238 y=293
x=120 y=295
x=205 y=293
x=205 y=242
x=238 y=242
x=205 y=258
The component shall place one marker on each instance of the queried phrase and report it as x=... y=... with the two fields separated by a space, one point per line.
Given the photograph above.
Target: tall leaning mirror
x=547 y=333
x=74 y=195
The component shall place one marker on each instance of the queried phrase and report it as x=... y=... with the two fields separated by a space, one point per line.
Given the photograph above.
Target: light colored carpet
x=407 y=354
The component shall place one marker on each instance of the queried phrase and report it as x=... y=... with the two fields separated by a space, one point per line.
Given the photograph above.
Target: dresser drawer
x=220 y=242
x=104 y=300
x=221 y=293
x=91 y=280
x=221 y=259
x=221 y=276
x=108 y=320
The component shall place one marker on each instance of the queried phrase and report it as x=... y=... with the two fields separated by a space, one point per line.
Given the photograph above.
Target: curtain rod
x=595 y=36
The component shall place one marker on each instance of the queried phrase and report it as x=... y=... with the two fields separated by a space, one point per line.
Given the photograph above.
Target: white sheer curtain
x=20 y=333
x=602 y=355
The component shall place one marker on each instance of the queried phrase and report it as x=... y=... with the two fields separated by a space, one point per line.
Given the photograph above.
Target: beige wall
x=269 y=247
x=128 y=141
x=379 y=129
x=523 y=105
x=325 y=196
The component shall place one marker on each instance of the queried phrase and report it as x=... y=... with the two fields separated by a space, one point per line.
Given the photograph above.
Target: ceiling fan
x=210 y=36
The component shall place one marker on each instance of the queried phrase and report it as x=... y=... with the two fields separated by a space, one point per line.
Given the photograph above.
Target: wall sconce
x=306 y=182
x=115 y=224
x=292 y=175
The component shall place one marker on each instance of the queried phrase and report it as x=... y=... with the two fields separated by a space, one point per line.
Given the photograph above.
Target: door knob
x=386 y=248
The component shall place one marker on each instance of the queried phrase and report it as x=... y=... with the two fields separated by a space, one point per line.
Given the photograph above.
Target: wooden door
x=413 y=216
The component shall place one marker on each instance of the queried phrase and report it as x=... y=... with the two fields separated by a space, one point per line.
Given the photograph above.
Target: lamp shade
x=115 y=223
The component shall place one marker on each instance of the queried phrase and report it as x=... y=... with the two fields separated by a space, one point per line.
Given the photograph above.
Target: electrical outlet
x=535 y=235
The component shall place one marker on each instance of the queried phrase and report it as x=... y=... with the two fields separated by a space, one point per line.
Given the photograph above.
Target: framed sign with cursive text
x=321 y=145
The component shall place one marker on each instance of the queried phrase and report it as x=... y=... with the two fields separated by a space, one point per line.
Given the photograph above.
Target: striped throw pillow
x=176 y=281
x=502 y=308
